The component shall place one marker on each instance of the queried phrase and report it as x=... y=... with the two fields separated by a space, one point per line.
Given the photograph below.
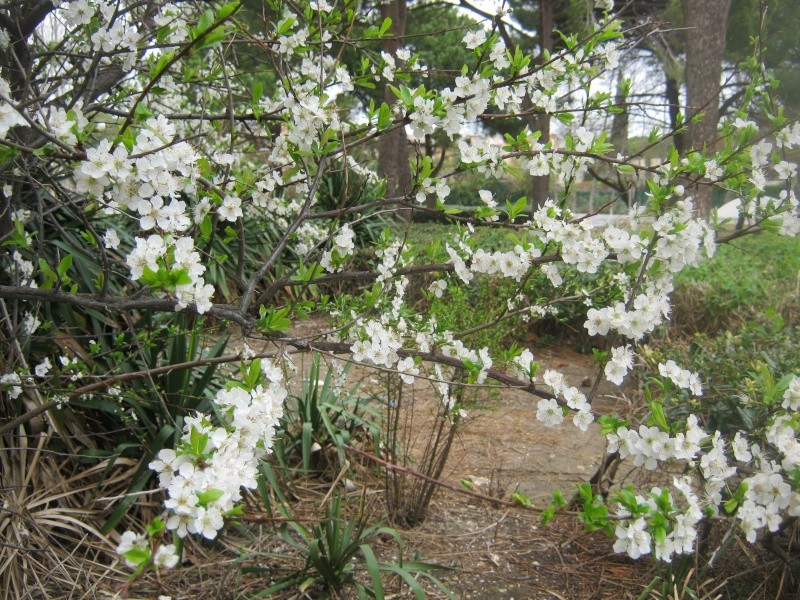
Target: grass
x=745 y=278
x=422 y=235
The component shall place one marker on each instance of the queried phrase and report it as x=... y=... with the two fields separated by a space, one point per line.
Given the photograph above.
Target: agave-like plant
x=338 y=559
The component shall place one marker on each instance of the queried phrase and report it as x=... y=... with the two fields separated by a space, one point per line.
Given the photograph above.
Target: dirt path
x=503 y=553
x=505 y=444
x=498 y=552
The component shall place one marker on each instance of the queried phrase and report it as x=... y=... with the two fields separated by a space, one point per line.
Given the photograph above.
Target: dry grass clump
x=50 y=520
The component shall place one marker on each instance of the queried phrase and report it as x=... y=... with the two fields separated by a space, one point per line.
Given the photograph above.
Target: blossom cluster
x=764 y=495
x=343 y=246
x=549 y=412
x=9 y=115
x=205 y=473
x=379 y=345
x=677 y=524
x=681 y=377
x=650 y=445
x=621 y=362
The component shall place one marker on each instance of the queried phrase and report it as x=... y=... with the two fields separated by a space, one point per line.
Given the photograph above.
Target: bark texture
x=706 y=25
x=393 y=149
x=540 y=186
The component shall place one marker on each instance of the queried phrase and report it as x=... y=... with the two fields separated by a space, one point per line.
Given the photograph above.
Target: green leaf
x=659 y=534
x=610 y=423
x=307 y=440
x=162 y=63
x=231 y=234
x=163 y=34
x=257 y=91
x=203 y=23
x=180 y=277
x=227 y=10
x=416 y=588
x=565 y=118
x=365 y=82
x=7 y=154
x=212 y=38
x=521 y=499
x=384 y=116
x=205 y=228
x=142 y=113
x=64 y=265
x=658 y=417
x=89 y=238
x=626 y=169
x=155 y=527
x=274 y=320
x=485 y=212
x=18 y=238
x=48 y=273
x=308 y=274
x=585 y=491
x=404 y=94
x=285 y=26
x=373 y=569
x=253 y=373
x=128 y=138
x=209 y=496
x=600 y=356
x=137 y=556
x=517 y=208
x=197 y=442
x=741 y=491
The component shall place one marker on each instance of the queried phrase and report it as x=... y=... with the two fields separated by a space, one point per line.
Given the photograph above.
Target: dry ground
x=491 y=550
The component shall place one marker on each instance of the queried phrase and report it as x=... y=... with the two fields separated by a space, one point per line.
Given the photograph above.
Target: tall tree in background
x=540 y=186
x=393 y=150
x=435 y=32
x=706 y=23
x=537 y=23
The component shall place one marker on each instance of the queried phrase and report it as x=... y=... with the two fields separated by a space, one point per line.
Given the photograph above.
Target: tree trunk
x=706 y=24
x=393 y=148
x=619 y=122
x=673 y=96
x=540 y=186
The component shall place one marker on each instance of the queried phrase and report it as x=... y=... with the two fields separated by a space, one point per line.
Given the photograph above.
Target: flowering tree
x=162 y=172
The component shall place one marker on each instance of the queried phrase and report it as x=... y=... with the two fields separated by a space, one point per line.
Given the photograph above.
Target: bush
x=743 y=280
x=735 y=368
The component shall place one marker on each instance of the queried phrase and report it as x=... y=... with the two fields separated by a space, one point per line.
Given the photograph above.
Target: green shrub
x=464 y=192
x=745 y=278
x=735 y=368
x=320 y=418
